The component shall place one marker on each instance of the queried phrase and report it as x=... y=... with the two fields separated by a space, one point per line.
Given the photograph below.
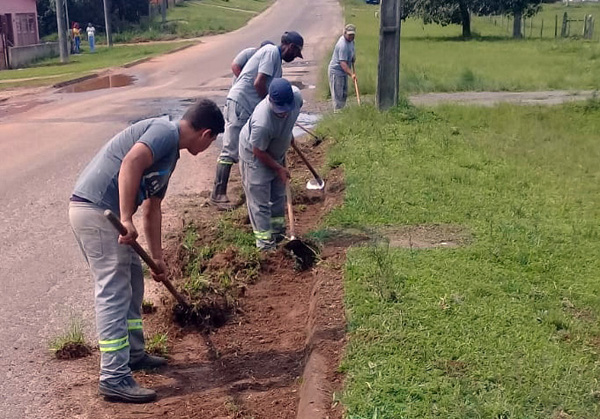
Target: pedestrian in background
x=264 y=141
x=91 y=34
x=131 y=170
x=77 y=38
x=341 y=66
x=250 y=88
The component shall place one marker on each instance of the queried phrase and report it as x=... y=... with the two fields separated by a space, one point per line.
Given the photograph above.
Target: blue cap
x=293 y=37
x=281 y=96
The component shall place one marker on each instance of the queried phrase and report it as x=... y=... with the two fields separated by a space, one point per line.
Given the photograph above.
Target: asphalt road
x=45 y=141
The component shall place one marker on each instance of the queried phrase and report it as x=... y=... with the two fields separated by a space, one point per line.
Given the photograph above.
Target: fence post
x=563 y=32
x=542 y=30
x=531 y=29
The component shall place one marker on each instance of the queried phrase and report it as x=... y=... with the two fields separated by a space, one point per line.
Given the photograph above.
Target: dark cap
x=281 y=96
x=293 y=37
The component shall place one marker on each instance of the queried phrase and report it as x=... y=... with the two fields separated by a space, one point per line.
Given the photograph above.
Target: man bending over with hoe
x=264 y=140
x=132 y=169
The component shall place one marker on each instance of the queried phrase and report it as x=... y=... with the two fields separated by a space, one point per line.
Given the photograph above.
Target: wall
x=21 y=56
x=24 y=26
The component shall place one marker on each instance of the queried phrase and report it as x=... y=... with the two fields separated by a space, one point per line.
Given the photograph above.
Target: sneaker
x=148 y=362
x=128 y=391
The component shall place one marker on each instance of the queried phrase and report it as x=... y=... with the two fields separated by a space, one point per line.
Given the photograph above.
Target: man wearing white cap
x=264 y=140
x=341 y=66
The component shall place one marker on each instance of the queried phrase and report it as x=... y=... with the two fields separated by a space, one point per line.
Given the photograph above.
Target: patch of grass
x=158 y=344
x=148 y=307
x=436 y=58
x=196 y=18
x=51 y=71
x=504 y=327
x=71 y=344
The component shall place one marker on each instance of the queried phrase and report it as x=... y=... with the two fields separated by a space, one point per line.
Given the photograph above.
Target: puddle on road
x=106 y=82
x=301 y=85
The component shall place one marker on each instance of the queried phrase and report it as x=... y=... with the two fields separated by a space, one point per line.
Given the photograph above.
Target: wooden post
x=62 y=32
x=388 y=74
x=163 y=9
x=556 y=26
x=531 y=28
x=563 y=31
x=542 y=30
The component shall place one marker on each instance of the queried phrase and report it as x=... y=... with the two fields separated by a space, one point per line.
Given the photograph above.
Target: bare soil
x=276 y=355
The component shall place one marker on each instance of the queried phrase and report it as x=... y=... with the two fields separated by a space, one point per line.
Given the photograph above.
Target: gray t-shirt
x=267 y=132
x=98 y=183
x=343 y=51
x=242 y=58
x=266 y=60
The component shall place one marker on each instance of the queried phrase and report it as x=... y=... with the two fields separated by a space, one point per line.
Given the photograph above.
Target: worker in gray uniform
x=250 y=88
x=240 y=60
x=132 y=169
x=341 y=66
x=264 y=141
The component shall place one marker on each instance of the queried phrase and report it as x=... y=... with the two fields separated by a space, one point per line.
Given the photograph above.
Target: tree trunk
x=465 y=17
x=517 y=22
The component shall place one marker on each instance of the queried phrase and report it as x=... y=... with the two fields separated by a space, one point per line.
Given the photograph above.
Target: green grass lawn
x=506 y=326
x=197 y=18
x=435 y=58
x=51 y=71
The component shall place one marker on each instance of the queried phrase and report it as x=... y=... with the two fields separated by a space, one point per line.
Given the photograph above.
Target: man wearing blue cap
x=250 y=88
x=264 y=140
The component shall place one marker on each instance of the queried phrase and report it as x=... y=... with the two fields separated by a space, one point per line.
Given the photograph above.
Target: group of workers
x=134 y=168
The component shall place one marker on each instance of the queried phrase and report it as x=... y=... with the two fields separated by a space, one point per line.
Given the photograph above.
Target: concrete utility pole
x=388 y=73
x=62 y=32
x=107 y=23
x=163 y=9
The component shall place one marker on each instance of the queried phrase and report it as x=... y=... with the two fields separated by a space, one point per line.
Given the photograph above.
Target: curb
x=143 y=60
x=73 y=81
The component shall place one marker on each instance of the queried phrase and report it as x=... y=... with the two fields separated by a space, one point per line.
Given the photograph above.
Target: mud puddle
x=98 y=83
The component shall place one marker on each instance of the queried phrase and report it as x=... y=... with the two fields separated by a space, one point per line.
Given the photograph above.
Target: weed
x=148 y=307
x=158 y=344
x=71 y=344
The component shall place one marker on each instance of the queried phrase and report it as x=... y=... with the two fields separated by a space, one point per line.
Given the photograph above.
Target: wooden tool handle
x=307 y=163
x=145 y=256
x=307 y=130
x=290 y=211
x=356 y=90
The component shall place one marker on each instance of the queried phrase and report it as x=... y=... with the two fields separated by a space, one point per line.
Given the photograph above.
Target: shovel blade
x=315 y=185
x=303 y=253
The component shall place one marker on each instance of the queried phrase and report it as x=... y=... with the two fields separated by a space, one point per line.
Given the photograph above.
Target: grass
x=197 y=18
x=436 y=58
x=506 y=327
x=158 y=344
x=71 y=343
x=51 y=71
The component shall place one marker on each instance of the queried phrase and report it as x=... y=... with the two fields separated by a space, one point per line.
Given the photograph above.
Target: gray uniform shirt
x=266 y=60
x=98 y=183
x=343 y=51
x=242 y=58
x=267 y=132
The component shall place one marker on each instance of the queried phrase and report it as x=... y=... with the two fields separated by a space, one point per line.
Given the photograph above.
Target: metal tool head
x=304 y=255
x=315 y=185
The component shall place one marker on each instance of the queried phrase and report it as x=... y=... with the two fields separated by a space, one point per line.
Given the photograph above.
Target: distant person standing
x=77 y=38
x=341 y=66
x=242 y=58
x=91 y=34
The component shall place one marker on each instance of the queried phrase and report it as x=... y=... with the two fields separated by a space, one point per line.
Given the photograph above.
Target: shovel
x=303 y=253
x=356 y=90
x=316 y=184
x=318 y=139
x=146 y=257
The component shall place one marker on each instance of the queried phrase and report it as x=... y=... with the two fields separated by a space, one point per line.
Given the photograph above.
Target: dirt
x=73 y=351
x=276 y=356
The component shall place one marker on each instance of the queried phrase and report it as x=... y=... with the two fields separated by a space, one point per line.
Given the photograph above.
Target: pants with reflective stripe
x=119 y=290
x=338 y=85
x=235 y=118
x=265 y=197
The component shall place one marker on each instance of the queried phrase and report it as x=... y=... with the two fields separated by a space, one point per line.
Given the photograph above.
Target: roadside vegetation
x=51 y=71
x=438 y=59
x=158 y=344
x=504 y=327
x=71 y=343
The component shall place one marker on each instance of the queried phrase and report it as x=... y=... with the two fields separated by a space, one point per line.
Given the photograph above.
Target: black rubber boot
x=218 y=198
x=127 y=391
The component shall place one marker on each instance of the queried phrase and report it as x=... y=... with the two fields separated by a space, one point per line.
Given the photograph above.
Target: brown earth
x=277 y=356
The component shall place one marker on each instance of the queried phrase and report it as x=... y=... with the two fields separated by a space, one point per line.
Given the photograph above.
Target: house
x=19 y=35
x=18 y=22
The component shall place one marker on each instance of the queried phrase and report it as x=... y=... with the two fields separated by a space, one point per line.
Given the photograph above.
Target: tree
x=446 y=12
x=516 y=8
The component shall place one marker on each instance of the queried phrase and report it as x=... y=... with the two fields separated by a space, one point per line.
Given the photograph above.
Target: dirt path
x=553 y=97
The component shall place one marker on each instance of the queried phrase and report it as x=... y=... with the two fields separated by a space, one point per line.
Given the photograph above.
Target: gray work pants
x=338 y=85
x=265 y=197
x=235 y=118
x=119 y=290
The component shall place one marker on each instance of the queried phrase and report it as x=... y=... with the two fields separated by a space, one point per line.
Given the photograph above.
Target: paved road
x=47 y=138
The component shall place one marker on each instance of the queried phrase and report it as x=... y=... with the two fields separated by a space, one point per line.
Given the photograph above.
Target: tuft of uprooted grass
x=505 y=326
x=71 y=343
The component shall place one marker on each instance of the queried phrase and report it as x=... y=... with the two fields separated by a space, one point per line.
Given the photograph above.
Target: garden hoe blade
x=304 y=255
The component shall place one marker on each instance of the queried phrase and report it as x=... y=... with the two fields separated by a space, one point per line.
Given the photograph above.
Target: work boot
x=218 y=198
x=148 y=362
x=128 y=391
